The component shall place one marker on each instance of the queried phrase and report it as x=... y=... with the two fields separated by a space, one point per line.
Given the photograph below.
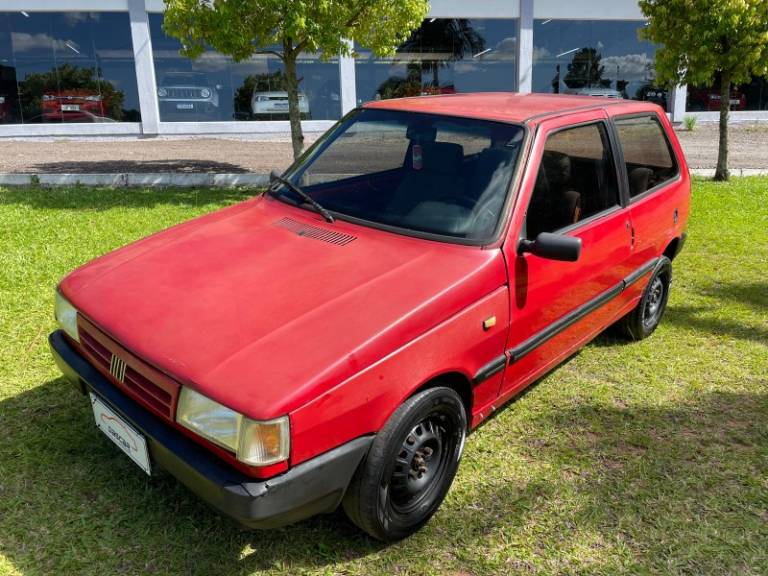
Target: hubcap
x=653 y=301
x=420 y=461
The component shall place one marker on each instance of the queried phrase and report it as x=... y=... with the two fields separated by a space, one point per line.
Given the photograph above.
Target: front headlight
x=205 y=93
x=66 y=316
x=162 y=92
x=210 y=419
x=256 y=443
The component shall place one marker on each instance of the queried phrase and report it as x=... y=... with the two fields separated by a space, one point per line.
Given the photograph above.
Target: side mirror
x=552 y=247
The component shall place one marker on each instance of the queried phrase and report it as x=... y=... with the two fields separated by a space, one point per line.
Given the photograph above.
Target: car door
x=571 y=188
x=656 y=184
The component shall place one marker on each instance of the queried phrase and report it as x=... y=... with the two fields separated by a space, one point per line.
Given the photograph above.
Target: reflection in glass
x=215 y=87
x=66 y=67
x=444 y=56
x=595 y=58
x=752 y=95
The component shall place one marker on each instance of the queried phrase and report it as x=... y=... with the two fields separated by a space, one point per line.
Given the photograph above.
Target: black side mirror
x=552 y=247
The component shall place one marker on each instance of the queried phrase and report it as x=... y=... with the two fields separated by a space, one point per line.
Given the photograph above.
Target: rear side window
x=647 y=153
x=576 y=180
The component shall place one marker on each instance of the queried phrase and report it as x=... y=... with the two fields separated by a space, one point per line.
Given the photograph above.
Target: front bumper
x=310 y=488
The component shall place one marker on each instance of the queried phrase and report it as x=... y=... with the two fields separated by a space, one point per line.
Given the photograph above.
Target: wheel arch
x=456 y=381
x=673 y=247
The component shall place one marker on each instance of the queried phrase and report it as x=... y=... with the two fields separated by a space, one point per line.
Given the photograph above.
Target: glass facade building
x=67 y=67
x=89 y=68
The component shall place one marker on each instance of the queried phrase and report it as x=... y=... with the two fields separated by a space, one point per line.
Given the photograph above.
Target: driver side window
x=576 y=180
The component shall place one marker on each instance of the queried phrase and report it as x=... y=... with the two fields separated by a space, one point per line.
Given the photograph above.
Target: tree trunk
x=292 y=87
x=721 y=173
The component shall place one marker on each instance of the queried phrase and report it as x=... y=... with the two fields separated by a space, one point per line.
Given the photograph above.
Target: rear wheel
x=410 y=466
x=643 y=320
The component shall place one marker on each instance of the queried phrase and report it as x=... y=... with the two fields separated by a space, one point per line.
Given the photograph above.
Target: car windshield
x=421 y=173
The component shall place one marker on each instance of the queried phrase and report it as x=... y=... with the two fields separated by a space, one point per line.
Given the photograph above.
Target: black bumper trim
x=310 y=488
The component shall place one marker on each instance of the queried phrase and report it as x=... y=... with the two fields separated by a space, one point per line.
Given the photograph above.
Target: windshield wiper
x=275 y=177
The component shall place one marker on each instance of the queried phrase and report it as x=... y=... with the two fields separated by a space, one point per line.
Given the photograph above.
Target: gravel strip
x=185 y=155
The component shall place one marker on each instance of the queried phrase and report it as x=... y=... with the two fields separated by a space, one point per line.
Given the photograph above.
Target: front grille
x=145 y=384
x=184 y=93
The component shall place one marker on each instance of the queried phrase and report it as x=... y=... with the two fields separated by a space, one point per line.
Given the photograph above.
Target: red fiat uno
x=332 y=341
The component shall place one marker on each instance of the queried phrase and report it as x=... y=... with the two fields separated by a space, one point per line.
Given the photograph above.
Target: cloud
x=540 y=53
x=24 y=42
x=630 y=66
x=75 y=18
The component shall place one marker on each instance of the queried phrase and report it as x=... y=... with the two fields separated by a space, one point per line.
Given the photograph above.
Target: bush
x=690 y=123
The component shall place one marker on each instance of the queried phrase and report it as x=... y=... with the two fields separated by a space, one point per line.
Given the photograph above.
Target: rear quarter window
x=647 y=153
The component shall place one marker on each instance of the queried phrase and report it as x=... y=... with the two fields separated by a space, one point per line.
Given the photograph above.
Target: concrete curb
x=160 y=180
x=710 y=172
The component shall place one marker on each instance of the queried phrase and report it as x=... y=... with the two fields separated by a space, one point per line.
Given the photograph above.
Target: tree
x=585 y=70
x=286 y=28
x=705 y=39
x=452 y=39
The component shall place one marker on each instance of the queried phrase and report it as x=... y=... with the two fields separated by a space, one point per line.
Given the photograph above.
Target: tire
x=643 y=320
x=409 y=467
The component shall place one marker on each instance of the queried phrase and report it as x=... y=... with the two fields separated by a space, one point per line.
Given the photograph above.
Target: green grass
x=630 y=458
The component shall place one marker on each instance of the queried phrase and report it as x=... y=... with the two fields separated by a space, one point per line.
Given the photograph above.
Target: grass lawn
x=630 y=458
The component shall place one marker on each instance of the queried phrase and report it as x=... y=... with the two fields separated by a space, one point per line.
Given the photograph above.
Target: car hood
x=263 y=306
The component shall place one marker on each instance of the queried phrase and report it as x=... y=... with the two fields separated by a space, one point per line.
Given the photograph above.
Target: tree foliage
x=242 y=28
x=586 y=70
x=705 y=40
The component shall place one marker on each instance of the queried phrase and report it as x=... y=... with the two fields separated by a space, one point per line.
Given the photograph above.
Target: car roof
x=508 y=106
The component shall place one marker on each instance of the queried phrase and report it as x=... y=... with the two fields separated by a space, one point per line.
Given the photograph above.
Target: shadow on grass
x=72 y=502
x=696 y=318
x=184 y=166
x=88 y=198
x=752 y=294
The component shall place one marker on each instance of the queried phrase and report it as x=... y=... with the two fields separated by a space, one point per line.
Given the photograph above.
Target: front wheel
x=643 y=320
x=410 y=466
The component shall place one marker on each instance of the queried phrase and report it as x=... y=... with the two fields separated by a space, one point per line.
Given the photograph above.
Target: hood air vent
x=315 y=232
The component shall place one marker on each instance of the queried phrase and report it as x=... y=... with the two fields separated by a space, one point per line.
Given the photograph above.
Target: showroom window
x=749 y=96
x=215 y=87
x=444 y=56
x=595 y=58
x=66 y=67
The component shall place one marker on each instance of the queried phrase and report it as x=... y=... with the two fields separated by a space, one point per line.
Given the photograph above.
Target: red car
x=333 y=340
x=73 y=106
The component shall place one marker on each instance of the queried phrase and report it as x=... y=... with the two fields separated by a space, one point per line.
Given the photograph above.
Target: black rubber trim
x=493 y=367
x=640 y=272
x=309 y=488
x=574 y=316
x=681 y=243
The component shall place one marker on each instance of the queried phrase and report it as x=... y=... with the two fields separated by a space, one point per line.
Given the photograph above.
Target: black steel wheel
x=643 y=320
x=410 y=466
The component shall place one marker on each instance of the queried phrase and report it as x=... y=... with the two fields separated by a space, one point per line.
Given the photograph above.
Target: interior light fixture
x=566 y=52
